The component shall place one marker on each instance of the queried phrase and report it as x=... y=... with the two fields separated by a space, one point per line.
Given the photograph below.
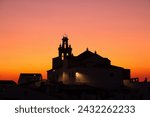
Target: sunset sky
x=31 y=31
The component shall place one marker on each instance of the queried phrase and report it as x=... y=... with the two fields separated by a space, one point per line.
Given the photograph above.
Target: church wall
x=104 y=78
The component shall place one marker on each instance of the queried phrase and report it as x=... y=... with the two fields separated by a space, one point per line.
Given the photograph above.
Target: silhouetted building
x=4 y=84
x=87 y=68
x=27 y=78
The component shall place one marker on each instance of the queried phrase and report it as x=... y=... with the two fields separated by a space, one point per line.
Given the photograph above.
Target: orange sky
x=31 y=30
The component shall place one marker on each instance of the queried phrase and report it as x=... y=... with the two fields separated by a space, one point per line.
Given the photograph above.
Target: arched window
x=62 y=56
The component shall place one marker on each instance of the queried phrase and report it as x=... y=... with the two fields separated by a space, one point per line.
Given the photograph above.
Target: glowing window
x=77 y=74
x=62 y=57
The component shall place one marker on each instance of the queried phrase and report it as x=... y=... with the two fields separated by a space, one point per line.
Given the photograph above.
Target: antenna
x=65 y=35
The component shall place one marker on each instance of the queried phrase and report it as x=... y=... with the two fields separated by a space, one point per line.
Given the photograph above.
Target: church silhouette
x=87 y=68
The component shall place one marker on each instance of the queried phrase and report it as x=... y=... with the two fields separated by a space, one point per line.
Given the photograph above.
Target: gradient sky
x=31 y=31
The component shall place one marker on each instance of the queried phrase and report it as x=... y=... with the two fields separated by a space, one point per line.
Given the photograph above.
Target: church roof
x=87 y=54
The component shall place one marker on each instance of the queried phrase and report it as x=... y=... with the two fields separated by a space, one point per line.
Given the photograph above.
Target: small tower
x=64 y=49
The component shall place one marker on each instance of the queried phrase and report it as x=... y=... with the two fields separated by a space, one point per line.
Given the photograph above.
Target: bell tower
x=64 y=49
